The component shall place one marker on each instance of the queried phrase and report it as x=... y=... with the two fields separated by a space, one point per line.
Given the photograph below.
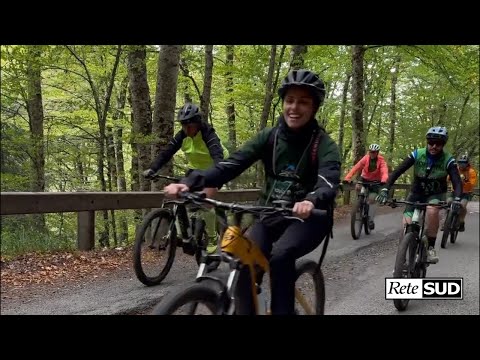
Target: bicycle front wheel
x=366 y=225
x=405 y=264
x=454 y=231
x=193 y=298
x=356 y=218
x=309 y=289
x=449 y=229
x=155 y=247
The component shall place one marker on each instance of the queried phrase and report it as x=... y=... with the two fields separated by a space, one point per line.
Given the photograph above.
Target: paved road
x=354 y=271
x=363 y=291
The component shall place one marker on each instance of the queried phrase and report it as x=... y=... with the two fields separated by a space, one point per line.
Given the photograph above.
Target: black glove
x=456 y=204
x=148 y=174
x=346 y=181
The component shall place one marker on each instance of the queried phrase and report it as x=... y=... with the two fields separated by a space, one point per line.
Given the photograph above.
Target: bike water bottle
x=262 y=301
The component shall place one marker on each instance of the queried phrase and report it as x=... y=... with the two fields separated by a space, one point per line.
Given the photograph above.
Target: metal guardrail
x=86 y=203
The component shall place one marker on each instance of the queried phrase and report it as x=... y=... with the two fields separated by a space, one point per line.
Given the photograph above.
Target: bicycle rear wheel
x=309 y=289
x=356 y=218
x=204 y=297
x=155 y=247
x=405 y=264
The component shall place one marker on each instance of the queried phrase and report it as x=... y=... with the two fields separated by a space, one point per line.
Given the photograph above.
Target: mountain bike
x=157 y=238
x=411 y=260
x=359 y=215
x=214 y=293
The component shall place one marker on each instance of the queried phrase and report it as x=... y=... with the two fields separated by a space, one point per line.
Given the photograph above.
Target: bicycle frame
x=417 y=227
x=238 y=251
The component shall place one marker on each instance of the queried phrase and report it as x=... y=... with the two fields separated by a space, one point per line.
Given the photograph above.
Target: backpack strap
x=314 y=149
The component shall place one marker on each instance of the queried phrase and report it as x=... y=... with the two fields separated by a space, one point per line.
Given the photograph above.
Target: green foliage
x=436 y=85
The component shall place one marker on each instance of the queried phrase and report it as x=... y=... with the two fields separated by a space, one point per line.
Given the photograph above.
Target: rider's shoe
x=371 y=225
x=212 y=245
x=432 y=257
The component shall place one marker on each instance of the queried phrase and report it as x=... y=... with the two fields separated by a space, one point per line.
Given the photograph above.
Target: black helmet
x=463 y=159
x=304 y=78
x=189 y=113
x=437 y=132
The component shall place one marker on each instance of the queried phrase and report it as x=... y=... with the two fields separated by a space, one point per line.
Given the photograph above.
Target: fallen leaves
x=62 y=267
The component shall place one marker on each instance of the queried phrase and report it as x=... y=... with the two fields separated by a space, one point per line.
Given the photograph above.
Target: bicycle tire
x=366 y=207
x=447 y=229
x=454 y=233
x=406 y=247
x=306 y=266
x=205 y=291
x=137 y=250
x=356 y=209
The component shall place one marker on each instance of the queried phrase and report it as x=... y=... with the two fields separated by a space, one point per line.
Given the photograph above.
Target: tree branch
x=187 y=75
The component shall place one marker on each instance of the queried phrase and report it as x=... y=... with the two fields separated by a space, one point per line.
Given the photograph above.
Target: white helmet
x=374 y=147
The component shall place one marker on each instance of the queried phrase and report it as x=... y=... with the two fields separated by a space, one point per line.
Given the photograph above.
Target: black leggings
x=282 y=243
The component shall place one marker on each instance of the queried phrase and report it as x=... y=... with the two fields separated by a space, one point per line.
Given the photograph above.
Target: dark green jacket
x=289 y=172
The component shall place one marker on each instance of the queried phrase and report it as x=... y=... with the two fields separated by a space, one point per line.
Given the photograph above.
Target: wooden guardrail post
x=86 y=230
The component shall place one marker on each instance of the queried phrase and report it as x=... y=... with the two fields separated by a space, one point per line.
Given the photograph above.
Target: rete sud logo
x=429 y=288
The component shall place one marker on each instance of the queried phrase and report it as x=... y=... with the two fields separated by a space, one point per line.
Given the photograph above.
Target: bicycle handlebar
x=393 y=203
x=363 y=182
x=157 y=177
x=253 y=209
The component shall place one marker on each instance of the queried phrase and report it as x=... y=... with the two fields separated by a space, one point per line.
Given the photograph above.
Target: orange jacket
x=469 y=179
x=379 y=174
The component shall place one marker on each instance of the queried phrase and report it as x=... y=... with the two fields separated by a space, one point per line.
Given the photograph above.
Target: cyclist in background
x=432 y=165
x=373 y=168
x=468 y=175
x=202 y=148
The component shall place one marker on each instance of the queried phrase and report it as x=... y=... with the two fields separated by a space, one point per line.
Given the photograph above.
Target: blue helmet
x=437 y=132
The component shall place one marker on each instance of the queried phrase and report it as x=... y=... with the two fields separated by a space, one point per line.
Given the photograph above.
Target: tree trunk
x=358 y=135
x=267 y=103
x=112 y=177
x=35 y=116
x=102 y=106
x=298 y=53
x=118 y=118
x=343 y=110
x=187 y=98
x=275 y=83
x=267 y=106
x=393 y=111
x=207 y=81
x=163 y=113
x=141 y=111
x=232 y=133
x=460 y=118
x=346 y=151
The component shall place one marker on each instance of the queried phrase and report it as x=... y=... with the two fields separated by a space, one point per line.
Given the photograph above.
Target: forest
x=93 y=117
